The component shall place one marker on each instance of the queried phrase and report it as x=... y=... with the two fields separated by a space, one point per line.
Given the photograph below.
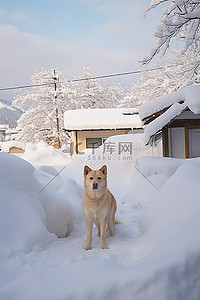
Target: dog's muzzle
x=95 y=186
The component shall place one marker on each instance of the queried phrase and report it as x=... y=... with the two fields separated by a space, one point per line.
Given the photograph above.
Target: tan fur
x=99 y=205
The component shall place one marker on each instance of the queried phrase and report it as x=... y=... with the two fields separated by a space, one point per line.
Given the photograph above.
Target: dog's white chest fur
x=96 y=213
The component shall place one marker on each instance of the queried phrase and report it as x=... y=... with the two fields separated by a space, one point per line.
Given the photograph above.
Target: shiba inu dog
x=99 y=205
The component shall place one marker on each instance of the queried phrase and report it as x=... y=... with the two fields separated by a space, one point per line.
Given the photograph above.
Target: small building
x=3 y=129
x=11 y=134
x=89 y=128
x=176 y=118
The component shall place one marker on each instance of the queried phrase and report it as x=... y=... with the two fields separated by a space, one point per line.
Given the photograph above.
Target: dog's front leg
x=89 y=226
x=103 y=233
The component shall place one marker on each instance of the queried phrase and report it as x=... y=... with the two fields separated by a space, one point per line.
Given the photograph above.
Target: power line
x=25 y=86
x=81 y=79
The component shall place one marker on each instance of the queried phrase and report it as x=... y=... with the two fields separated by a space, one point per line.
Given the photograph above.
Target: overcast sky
x=106 y=35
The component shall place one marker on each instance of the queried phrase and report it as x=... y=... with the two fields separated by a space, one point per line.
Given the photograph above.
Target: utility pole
x=56 y=108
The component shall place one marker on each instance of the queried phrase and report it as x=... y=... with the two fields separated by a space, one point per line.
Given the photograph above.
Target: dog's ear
x=86 y=170
x=104 y=170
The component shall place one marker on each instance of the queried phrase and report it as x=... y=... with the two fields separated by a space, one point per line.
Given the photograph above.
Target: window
x=194 y=143
x=95 y=142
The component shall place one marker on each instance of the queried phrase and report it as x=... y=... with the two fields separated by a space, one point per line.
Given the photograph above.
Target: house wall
x=78 y=138
x=177 y=136
x=188 y=115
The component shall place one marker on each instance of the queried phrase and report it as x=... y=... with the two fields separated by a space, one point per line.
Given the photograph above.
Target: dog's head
x=95 y=180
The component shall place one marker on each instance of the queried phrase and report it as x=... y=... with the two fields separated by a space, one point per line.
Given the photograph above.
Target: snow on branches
x=181 y=20
x=43 y=106
x=91 y=93
x=51 y=95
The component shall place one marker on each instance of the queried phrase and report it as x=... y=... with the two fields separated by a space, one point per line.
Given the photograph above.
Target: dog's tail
x=117 y=222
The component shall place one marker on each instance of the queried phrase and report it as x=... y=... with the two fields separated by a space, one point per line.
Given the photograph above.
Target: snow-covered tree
x=150 y=84
x=181 y=20
x=170 y=73
x=43 y=106
x=88 y=92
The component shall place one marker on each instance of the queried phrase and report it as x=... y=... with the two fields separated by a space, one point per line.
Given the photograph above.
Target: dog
x=99 y=205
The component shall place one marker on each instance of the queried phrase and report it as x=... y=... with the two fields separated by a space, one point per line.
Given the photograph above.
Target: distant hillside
x=8 y=114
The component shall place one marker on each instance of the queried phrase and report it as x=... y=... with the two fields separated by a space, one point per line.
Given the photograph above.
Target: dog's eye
x=99 y=178
x=91 y=178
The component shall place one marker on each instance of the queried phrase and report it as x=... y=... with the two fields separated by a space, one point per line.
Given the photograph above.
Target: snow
x=157 y=124
x=16 y=175
x=21 y=215
x=158 y=165
x=42 y=154
x=3 y=127
x=155 y=252
x=90 y=119
x=6 y=146
x=189 y=95
x=159 y=211
x=192 y=95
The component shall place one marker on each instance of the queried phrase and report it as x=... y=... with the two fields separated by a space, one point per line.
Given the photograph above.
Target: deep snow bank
x=27 y=215
x=16 y=173
x=162 y=263
x=21 y=214
x=176 y=205
x=41 y=154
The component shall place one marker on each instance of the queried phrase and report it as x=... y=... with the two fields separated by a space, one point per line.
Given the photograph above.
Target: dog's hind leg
x=111 y=220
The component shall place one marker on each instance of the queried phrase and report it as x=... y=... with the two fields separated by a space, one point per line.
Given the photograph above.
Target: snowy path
x=162 y=263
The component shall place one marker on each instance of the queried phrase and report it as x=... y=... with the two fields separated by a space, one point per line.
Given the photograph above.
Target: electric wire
x=80 y=79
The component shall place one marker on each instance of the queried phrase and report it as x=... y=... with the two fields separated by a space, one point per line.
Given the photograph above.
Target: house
x=91 y=127
x=3 y=129
x=11 y=133
x=176 y=118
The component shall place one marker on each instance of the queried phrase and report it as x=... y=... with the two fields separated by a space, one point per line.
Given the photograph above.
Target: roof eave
x=103 y=129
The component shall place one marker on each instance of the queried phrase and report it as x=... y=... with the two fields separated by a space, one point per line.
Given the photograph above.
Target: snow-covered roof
x=96 y=119
x=190 y=95
x=3 y=127
x=174 y=103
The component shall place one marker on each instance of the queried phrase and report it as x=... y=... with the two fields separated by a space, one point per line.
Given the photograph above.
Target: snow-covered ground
x=154 y=254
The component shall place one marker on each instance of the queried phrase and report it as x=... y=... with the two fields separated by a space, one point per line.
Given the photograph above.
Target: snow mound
x=28 y=217
x=21 y=214
x=21 y=226
x=61 y=199
x=162 y=263
x=16 y=173
x=174 y=208
x=149 y=166
x=42 y=154
x=6 y=146
x=60 y=216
